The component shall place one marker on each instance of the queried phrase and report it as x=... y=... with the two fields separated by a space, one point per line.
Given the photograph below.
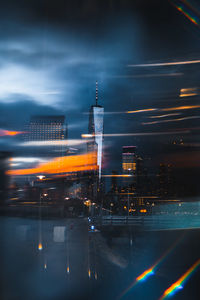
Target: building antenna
x=96 y=93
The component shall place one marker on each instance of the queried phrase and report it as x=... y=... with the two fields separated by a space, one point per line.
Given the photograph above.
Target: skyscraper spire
x=96 y=93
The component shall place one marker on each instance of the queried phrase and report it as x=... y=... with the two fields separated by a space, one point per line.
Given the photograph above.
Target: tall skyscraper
x=96 y=130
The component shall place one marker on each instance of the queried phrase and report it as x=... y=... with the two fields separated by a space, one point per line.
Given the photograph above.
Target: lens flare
x=149 y=272
x=188 y=14
x=179 y=283
x=144 y=275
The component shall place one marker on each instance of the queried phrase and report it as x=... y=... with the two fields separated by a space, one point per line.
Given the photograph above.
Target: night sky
x=52 y=53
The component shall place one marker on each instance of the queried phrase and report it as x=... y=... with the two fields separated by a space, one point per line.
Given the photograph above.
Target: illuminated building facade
x=129 y=160
x=95 y=129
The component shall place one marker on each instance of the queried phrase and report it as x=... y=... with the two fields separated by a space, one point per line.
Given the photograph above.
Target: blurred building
x=4 y=179
x=47 y=128
x=129 y=160
x=165 y=180
x=95 y=129
x=114 y=185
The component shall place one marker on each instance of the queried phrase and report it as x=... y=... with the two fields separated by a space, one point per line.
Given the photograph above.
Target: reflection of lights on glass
x=95 y=276
x=40 y=246
x=45 y=195
x=66 y=198
x=92 y=227
x=45 y=266
x=89 y=273
x=68 y=270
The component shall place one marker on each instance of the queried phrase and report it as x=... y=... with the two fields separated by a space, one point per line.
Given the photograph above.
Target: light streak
x=188 y=92
x=179 y=283
x=145 y=274
x=144 y=133
x=40 y=247
x=183 y=107
x=60 y=165
x=54 y=143
x=171 y=120
x=4 y=132
x=27 y=159
x=151 y=270
x=119 y=175
x=163 y=64
x=187 y=14
x=164 y=116
x=188 y=95
x=141 y=110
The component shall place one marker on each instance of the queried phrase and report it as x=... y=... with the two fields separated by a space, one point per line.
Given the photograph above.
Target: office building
x=129 y=160
x=48 y=129
x=95 y=129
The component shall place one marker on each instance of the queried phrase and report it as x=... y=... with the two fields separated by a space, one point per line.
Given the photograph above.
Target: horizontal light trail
x=172 y=63
x=141 y=110
x=54 y=143
x=187 y=95
x=60 y=165
x=164 y=116
x=179 y=283
x=171 y=120
x=4 y=132
x=119 y=175
x=139 y=133
x=27 y=159
x=182 y=107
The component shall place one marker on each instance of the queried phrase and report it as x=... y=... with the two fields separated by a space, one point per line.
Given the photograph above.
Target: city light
x=4 y=132
x=189 y=92
x=141 y=110
x=182 y=107
x=40 y=247
x=118 y=175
